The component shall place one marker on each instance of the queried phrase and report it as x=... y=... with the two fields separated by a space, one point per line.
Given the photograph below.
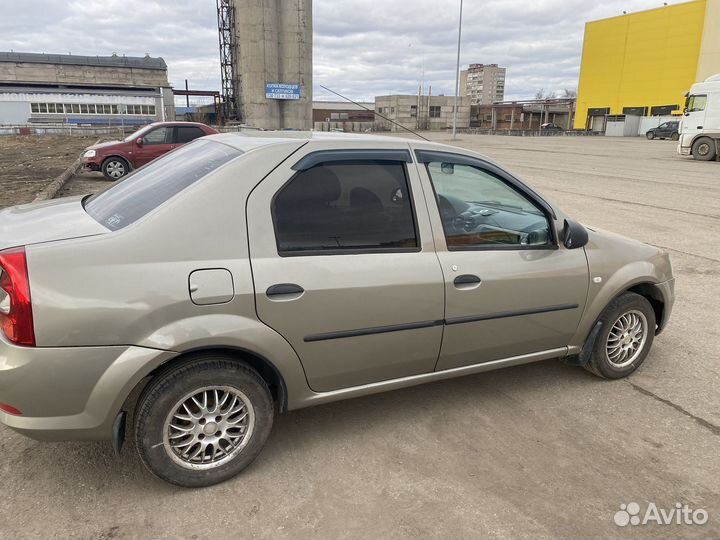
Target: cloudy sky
x=362 y=48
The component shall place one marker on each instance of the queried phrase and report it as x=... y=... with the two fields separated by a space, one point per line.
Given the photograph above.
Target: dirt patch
x=85 y=183
x=29 y=163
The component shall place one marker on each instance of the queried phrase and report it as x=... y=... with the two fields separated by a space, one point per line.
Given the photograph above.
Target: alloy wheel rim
x=626 y=338
x=208 y=427
x=116 y=169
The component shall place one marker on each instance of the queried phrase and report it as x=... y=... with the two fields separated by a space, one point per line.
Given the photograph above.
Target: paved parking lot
x=536 y=451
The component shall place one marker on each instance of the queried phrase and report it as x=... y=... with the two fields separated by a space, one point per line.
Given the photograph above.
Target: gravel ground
x=28 y=164
x=535 y=451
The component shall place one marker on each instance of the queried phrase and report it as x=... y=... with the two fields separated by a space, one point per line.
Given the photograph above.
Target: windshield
x=139 y=133
x=148 y=187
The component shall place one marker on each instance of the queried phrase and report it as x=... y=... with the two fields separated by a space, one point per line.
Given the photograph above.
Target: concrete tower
x=274 y=46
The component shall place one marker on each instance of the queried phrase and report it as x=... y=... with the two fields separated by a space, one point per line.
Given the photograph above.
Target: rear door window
x=148 y=187
x=346 y=206
x=185 y=134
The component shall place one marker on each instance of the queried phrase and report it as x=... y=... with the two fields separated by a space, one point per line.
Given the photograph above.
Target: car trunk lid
x=46 y=221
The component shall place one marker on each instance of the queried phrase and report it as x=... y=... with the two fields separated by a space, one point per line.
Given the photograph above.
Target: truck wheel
x=625 y=338
x=203 y=422
x=704 y=149
x=114 y=168
x=676 y=136
x=650 y=135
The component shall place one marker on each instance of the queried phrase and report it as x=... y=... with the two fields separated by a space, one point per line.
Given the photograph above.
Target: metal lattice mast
x=226 y=31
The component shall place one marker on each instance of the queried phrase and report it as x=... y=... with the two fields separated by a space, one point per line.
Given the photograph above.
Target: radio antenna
x=380 y=115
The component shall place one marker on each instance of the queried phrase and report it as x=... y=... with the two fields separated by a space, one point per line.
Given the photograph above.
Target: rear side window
x=186 y=134
x=346 y=206
x=150 y=186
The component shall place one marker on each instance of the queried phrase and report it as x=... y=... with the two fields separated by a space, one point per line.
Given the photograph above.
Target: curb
x=54 y=187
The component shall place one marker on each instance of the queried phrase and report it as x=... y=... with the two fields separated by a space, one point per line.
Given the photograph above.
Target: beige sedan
x=241 y=276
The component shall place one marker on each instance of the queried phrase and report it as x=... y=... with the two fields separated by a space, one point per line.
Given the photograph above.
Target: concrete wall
x=85 y=75
x=14 y=113
x=399 y=108
x=274 y=45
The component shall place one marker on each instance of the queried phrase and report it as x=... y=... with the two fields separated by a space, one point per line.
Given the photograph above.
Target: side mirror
x=574 y=235
x=139 y=141
x=685 y=111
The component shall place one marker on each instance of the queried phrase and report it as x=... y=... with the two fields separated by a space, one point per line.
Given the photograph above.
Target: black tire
x=650 y=135
x=171 y=387
x=675 y=136
x=114 y=168
x=599 y=362
x=703 y=149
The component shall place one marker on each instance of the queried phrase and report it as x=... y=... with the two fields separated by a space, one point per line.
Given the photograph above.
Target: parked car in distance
x=115 y=159
x=549 y=127
x=666 y=130
x=240 y=276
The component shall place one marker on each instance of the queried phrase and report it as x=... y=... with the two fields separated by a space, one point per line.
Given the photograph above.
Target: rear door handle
x=284 y=289
x=467 y=281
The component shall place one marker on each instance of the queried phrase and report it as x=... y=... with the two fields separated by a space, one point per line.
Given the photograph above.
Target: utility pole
x=457 y=74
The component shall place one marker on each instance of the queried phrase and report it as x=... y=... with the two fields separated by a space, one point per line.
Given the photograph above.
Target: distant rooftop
x=146 y=62
x=343 y=105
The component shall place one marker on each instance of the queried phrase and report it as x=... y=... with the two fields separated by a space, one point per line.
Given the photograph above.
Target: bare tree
x=569 y=93
x=542 y=94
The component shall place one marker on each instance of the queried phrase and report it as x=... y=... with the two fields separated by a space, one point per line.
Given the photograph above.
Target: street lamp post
x=457 y=74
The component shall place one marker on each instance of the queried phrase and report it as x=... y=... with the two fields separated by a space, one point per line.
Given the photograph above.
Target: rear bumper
x=70 y=392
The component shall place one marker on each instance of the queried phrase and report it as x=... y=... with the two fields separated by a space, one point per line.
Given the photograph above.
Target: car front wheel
x=704 y=149
x=115 y=168
x=650 y=135
x=203 y=422
x=625 y=338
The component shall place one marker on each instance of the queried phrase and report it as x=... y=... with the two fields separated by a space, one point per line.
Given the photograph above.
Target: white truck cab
x=700 y=127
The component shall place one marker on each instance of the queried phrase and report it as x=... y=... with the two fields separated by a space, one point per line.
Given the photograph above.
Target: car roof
x=246 y=140
x=178 y=123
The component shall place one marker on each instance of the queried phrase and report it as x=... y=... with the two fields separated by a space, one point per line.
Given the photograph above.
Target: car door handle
x=467 y=281
x=284 y=290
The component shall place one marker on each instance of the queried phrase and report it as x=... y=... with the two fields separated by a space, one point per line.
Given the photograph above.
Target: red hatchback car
x=117 y=158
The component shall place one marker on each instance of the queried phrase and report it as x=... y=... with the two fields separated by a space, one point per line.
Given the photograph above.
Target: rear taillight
x=16 y=319
x=4 y=407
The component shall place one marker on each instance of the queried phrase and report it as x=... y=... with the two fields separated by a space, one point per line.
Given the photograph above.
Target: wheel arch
x=118 y=156
x=654 y=296
x=712 y=136
x=262 y=365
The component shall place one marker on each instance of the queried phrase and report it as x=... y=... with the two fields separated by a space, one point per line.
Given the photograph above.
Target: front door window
x=481 y=211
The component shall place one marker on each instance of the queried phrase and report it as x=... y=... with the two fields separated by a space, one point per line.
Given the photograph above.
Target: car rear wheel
x=676 y=136
x=115 y=168
x=625 y=338
x=704 y=149
x=650 y=135
x=203 y=422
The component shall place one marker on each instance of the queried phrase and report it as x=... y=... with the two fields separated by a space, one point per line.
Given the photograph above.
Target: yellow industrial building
x=642 y=63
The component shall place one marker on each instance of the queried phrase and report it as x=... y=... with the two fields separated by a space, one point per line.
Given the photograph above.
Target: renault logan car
x=115 y=159
x=241 y=276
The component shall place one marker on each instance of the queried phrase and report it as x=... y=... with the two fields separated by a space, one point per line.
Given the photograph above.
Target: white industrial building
x=83 y=90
